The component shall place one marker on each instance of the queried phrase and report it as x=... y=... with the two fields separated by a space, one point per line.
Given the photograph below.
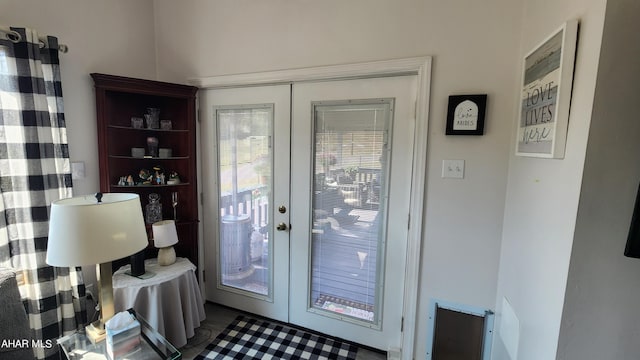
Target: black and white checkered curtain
x=34 y=171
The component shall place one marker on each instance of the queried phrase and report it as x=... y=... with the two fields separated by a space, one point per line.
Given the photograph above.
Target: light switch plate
x=453 y=169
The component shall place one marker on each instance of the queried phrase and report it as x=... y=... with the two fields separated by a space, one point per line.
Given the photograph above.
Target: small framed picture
x=465 y=114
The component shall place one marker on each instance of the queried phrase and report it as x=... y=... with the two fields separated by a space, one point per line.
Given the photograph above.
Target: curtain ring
x=13 y=36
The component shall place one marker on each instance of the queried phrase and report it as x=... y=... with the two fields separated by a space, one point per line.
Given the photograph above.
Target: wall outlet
x=453 y=169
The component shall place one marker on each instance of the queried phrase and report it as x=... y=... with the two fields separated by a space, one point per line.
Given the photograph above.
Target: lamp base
x=95 y=331
x=166 y=256
x=137 y=263
x=146 y=275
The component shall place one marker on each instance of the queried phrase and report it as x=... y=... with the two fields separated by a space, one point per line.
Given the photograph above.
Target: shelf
x=146 y=129
x=148 y=158
x=149 y=186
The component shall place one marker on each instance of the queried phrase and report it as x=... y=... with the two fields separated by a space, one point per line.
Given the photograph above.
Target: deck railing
x=253 y=202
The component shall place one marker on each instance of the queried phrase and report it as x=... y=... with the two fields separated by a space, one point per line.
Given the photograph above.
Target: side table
x=170 y=301
x=153 y=346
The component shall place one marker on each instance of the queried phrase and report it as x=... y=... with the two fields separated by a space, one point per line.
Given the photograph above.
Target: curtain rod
x=15 y=37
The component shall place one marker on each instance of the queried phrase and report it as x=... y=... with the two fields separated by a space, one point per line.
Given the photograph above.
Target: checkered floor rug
x=248 y=338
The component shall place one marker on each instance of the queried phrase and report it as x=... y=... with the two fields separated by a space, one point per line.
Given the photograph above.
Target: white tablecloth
x=170 y=301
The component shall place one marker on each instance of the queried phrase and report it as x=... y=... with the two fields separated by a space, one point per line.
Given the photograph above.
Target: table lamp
x=164 y=237
x=88 y=230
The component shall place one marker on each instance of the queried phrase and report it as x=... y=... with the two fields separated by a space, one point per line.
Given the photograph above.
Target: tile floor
x=218 y=317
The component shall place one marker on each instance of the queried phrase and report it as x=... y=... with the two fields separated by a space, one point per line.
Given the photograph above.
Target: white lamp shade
x=85 y=232
x=164 y=233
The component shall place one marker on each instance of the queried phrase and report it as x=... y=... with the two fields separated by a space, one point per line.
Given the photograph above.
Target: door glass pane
x=244 y=160
x=350 y=178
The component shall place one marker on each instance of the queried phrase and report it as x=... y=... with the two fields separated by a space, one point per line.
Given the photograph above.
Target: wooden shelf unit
x=118 y=99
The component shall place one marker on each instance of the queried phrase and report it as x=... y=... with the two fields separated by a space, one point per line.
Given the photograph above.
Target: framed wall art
x=546 y=94
x=632 y=249
x=465 y=114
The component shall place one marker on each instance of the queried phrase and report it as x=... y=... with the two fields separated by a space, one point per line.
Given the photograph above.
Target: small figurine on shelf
x=144 y=177
x=130 y=181
x=174 y=179
x=158 y=176
x=122 y=181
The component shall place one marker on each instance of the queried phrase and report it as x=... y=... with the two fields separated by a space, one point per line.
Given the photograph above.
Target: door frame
x=419 y=66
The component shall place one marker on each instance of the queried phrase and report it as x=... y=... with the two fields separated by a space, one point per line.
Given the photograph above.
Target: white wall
x=600 y=318
x=542 y=194
x=113 y=37
x=475 y=49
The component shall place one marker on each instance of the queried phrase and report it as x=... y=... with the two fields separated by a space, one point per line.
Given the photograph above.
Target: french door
x=245 y=135
x=307 y=193
x=353 y=146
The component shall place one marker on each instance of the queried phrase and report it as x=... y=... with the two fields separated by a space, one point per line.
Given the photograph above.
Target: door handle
x=281 y=227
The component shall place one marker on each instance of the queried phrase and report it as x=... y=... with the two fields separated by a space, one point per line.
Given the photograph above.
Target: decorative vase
x=153 y=209
x=152 y=146
x=153 y=118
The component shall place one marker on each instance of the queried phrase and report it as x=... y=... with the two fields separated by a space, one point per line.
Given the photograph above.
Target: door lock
x=281 y=227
